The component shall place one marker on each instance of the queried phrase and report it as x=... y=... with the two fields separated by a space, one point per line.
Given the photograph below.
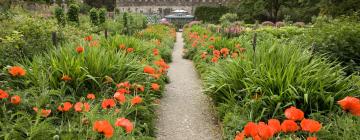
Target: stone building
x=163 y=7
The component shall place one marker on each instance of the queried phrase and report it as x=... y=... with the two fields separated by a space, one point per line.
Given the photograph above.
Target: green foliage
x=94 y=16
x=339 y=39
x=102 y=15
x=210 y=14
x=60 y=16
x=73 y=14
x=126 y=23
x=228 y=18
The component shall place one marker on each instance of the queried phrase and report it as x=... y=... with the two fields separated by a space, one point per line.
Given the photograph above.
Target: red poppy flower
x=275 y=125
x=136 y=100
x=348 y=103
x=123 y=91
x=90 y=96
x=264 y=131
x=240 y=136
x=108 y=103
x=155 y=86
x=214 y=59
x=94 y=43
x=234 y=55
x=293 y=113
x=149 y=70
x=129 y=50
x=250 y=129
x=65 y=107
x=122 y=46
x=79 y=49
x=310 y=125
x=125 y=123
x=3 y=94
x=155 y=52
x=257 y=137
x=15 y=99
x=17 y=71
x=140 y=88
x=120 y=97
x=211 y=47
x=66 y=78
x=88 y=38
x=79 y=107
x=103 y=127
x=289 y=126
x=311 y=138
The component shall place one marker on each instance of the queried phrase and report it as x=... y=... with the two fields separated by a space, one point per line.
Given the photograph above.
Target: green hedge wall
x=210 y=14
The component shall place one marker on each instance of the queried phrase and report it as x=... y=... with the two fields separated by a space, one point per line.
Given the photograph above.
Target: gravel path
x=184 y=112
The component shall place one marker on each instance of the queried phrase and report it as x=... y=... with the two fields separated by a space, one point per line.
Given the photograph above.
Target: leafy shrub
x=210 y=14
x=339 y=39
x=102 y=15
x=73 y=14
x=228 y=17
x=94 y=17
x=60 y=16
x=267 y=23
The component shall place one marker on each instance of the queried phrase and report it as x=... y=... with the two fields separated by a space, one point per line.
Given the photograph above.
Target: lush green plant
x=94 y=16
x=228 y=18
x=339 y=39
x=73 y=14
x=102 y=15
x=60 y=16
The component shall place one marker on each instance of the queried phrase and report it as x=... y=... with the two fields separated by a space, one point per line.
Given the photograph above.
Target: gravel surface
x=184 y=112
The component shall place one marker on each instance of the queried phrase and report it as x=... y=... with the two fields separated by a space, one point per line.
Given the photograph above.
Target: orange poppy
x=65 y=107
x=257 y=137
x=79 y=107
x=310 y=125
x=211 y=47
x=275 y=125
x=15 y=99
x=103 y=127
x=88 y=38
x=214 y=59
x=108 y=103
x=155 y=52
x=66 y=78
x=125 y=123
x=348 y=103
x=140 y=88
x=203 y=55
x=122 y=46
x=293 y=113
x=311 y=138
x=94 y=43
x=124 y=84
x=240 y=136
x=234 y=55
x=44 y=112
x=264 y=131
x=129 y=50
x=224 y=51
x=17 y=71
x=3 y=94
x=155 y=86
x=355 y=110
x=149 y=70
x=120 y=97
x=250 y=129
x=123 y=91
x=79 y=49
x=90 y=96
x=289 y=126
x=136 y=100
x=216 y=53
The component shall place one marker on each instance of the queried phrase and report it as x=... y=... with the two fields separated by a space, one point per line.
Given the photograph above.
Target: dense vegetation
x=257 y=81
x=88 y=86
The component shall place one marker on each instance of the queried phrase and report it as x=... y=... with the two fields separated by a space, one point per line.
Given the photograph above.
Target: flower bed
x=257 y=87
x=92 y=89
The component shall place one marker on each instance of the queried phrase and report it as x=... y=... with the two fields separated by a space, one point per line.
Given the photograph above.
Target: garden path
x=184 y=112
